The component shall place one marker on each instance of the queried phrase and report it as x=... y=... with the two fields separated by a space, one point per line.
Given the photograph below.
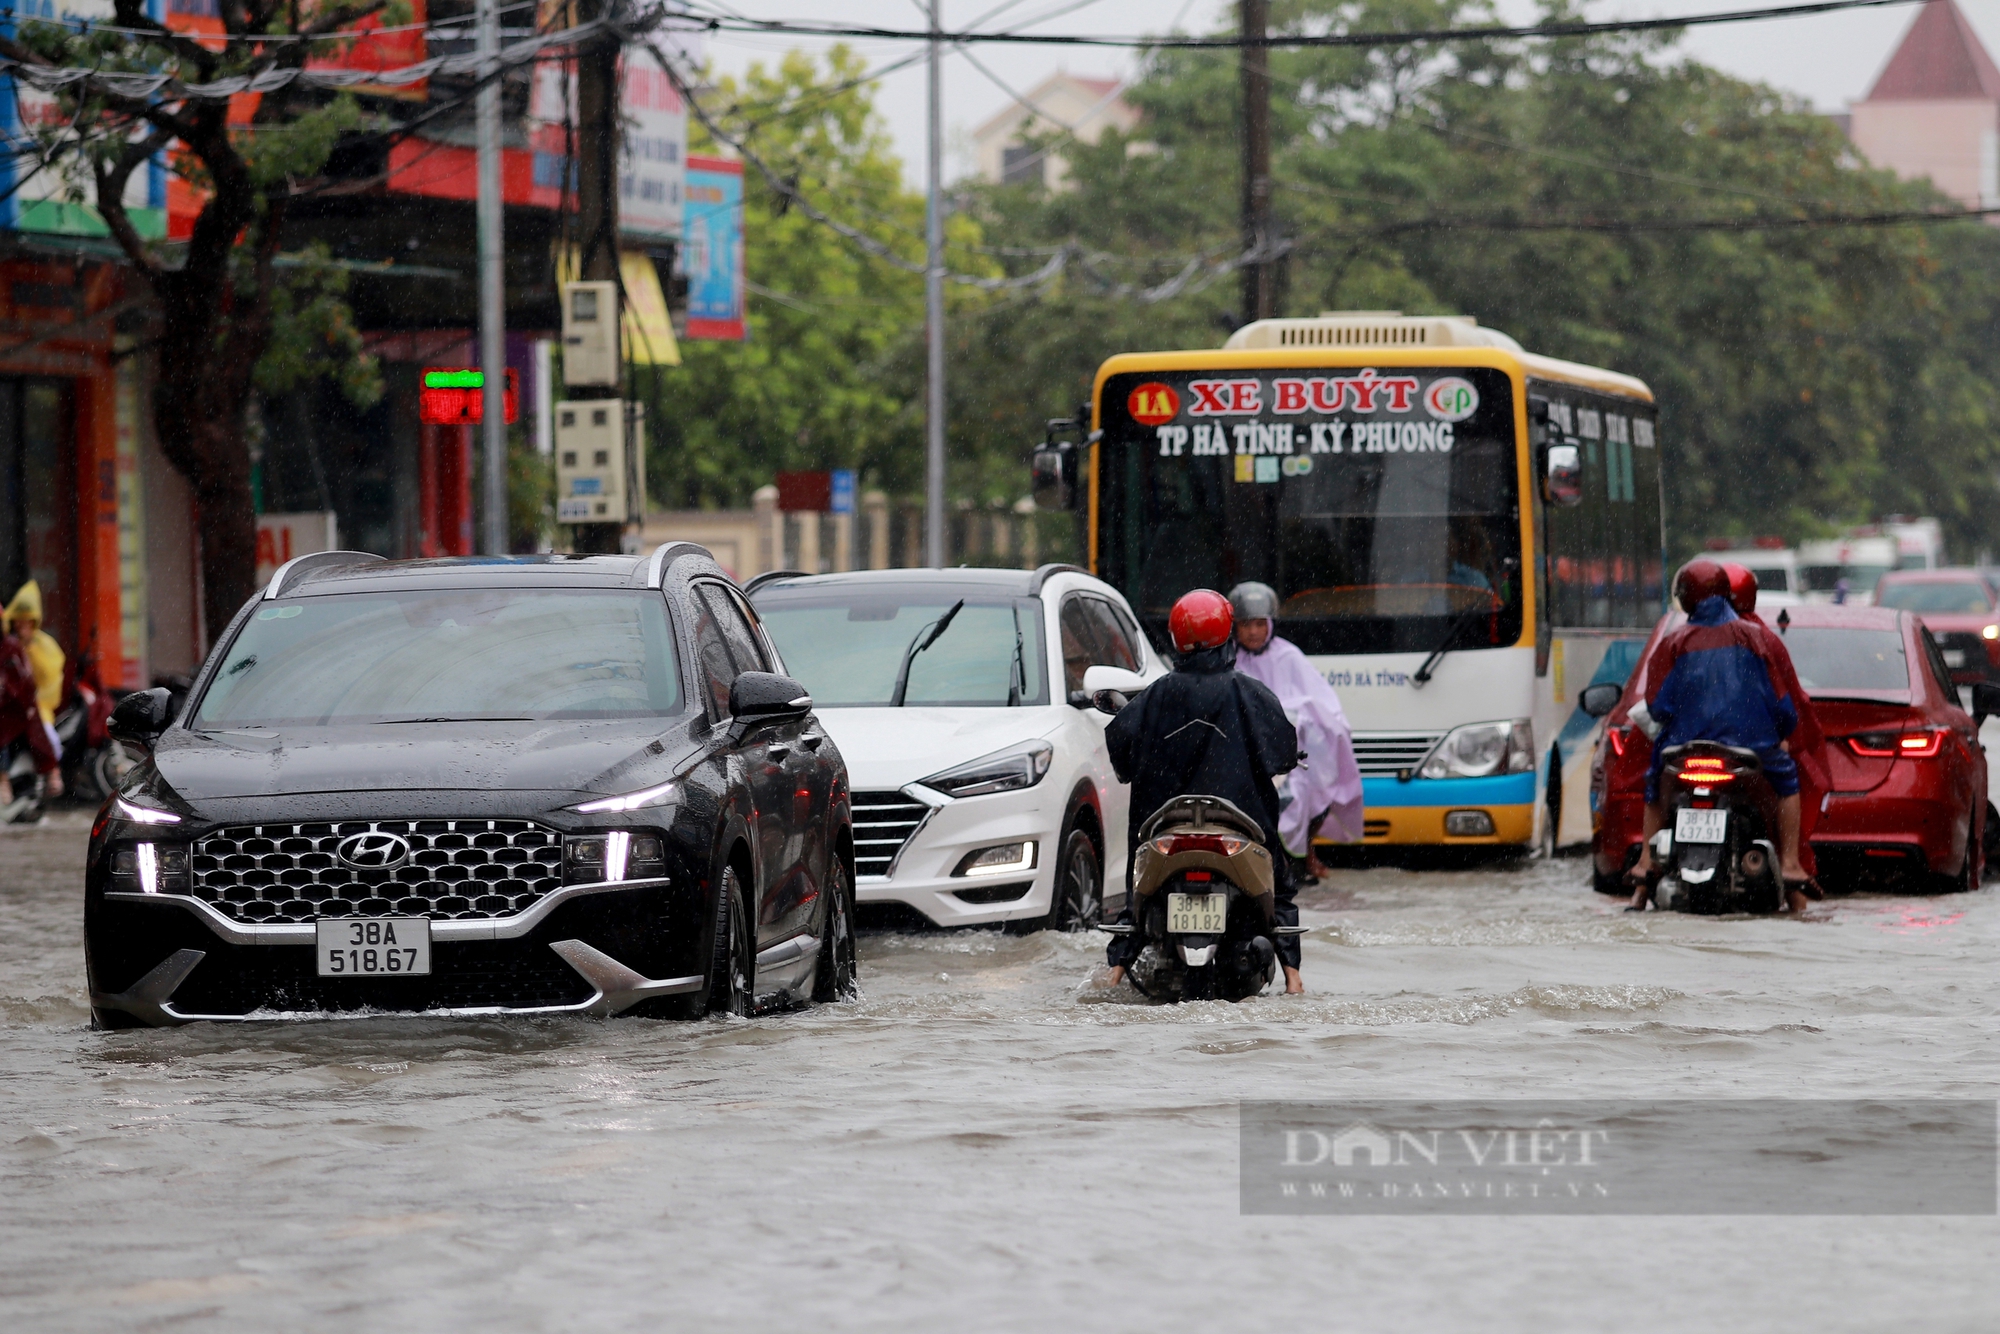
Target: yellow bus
x=1462 y=535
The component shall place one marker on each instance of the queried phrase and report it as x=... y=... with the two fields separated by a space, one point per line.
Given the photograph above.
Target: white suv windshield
x=846 y=645
x=483 y=654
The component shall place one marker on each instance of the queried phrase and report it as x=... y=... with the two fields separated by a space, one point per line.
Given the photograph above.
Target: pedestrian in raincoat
x=21 y=724
x=1326 y=787
x=45 y=656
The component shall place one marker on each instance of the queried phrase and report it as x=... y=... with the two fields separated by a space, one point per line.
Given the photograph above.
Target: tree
x=1599 y=199
x=227 y=321
x=818 y=383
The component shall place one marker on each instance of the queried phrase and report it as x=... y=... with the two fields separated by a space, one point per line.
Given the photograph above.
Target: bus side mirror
x=1562 y=475
x=1600 y=699
x=1054 y=476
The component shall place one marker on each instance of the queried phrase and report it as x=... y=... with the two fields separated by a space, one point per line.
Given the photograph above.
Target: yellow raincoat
x=45 y=656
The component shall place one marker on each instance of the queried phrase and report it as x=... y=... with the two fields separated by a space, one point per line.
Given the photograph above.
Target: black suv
x=536 y=785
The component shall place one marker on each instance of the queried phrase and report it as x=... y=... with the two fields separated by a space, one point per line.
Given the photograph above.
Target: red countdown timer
x=455 y=396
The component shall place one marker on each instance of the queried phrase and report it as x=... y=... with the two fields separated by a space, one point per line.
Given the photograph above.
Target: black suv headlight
x=590 y=859
x=1003 y=771
x=150 y=868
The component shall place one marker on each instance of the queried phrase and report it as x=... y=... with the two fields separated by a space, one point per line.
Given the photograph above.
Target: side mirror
x=1985 y=702
x=1109 y=701
x=1562 y=476
x=766 y=697
x=1053 y=481
x=141 y=716
x=1600 y=699
x=1096 y=679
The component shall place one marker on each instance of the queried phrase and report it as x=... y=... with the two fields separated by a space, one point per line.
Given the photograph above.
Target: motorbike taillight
x=1703 y=770
x=1619 y=737
x=1175 y=845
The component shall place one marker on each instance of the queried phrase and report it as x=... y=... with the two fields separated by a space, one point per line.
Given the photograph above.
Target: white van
x=1777 y=571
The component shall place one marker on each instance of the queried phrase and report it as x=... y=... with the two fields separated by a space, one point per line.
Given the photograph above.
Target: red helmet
x=1742 y=588
x=1699 y=580
x=1201 y=619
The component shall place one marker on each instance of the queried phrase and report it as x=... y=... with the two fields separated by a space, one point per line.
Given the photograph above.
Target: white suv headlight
x=1003 y=771
x=1481 y=750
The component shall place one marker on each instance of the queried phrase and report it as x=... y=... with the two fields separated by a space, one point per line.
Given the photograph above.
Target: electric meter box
x=590 y=334
x=591 y=466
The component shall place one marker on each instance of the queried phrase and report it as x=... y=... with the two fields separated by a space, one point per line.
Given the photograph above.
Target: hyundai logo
x=373 y=852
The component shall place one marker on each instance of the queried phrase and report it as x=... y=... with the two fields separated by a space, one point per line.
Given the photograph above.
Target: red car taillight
x=1922 y=745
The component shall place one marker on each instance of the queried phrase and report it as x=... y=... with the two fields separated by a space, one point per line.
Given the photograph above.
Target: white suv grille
x=883 y=823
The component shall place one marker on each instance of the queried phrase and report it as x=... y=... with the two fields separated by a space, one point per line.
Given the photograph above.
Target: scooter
x=1717 y=854
x=1203 y=901
x=93 y=764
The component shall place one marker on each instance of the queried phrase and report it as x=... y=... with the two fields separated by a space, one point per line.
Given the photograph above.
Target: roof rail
x=1043 y=573
x=666 y=554
x=315 y=560
x=771 y=576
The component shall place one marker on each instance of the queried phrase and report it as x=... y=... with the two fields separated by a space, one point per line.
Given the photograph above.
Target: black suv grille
x=883 y=822
x=456 y=869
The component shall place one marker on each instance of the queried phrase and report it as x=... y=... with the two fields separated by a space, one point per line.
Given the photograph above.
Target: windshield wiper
x=391 y=722
x=1017 y=674
x=1458 y=624
x=925 y=638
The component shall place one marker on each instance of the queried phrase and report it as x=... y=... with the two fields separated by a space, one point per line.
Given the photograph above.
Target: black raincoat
x=1206 y=728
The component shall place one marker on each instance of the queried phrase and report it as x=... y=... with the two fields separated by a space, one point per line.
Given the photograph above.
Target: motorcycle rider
x=21 y=724
x=1717 y=678
x=1805 y=742
x=1206 y=728
x=45 y=656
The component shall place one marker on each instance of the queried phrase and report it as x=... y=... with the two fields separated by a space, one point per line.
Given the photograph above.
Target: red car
x=1909 y=778
x=1961 y=608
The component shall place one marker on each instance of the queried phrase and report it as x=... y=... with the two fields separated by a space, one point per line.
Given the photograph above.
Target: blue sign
x=843 y=491
x=712 y=248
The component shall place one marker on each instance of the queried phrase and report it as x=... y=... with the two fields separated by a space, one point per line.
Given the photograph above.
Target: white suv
x=981 y=787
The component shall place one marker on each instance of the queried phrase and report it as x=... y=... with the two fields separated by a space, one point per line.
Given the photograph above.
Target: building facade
x=1935 y=110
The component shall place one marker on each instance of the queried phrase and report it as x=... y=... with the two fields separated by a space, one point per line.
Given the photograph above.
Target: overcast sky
x=1830 y=59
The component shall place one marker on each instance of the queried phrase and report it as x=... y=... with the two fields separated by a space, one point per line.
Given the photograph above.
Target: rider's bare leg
x=1294 y=983
x=1794 y=871
x=1653 y=821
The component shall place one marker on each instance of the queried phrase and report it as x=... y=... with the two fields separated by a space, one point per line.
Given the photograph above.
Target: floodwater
x=980 y=1142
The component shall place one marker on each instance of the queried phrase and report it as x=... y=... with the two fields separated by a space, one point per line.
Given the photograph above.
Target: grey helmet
x=1254 y=602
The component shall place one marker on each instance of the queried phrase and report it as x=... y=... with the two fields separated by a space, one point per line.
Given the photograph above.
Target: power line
x=1290 y=41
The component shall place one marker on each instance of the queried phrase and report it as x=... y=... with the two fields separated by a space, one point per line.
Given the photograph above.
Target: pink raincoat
x=1328 y=780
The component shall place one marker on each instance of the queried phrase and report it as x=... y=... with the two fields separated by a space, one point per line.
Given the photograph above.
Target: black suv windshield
x=480 y=654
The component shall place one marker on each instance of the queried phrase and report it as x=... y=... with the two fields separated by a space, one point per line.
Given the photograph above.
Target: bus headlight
x=1481 y=750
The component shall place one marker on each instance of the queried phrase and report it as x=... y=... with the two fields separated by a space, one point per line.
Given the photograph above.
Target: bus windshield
x=1387 y=516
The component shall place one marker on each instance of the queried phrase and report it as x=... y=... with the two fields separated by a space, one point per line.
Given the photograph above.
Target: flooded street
x=980 y=1142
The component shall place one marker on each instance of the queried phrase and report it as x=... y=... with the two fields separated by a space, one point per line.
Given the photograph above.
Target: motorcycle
x=1203 y=901
x=1716 y=853
x=93 y=764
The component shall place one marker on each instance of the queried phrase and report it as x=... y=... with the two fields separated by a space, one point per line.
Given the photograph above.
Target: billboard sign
x=712 y=249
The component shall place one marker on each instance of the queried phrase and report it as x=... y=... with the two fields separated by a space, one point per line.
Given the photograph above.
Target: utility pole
x=597 y=207
x=492 y=290
x=1260 y=278
x=934 y=553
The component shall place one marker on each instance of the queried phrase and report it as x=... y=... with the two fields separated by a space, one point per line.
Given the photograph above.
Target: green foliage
x=821 y=381
x=1808 y=376
x=313 y=334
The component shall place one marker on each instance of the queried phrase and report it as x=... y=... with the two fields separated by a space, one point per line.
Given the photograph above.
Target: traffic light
x=456 y=396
